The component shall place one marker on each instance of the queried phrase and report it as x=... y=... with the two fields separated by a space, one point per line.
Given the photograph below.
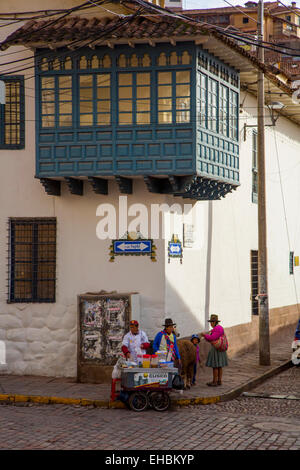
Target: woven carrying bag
x=221 y=344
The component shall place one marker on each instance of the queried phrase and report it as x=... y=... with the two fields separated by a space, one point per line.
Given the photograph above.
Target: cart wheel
x=160 y=401
x=138 y=401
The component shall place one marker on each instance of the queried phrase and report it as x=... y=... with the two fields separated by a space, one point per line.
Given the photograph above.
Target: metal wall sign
x=175 y=248
x=132 y=244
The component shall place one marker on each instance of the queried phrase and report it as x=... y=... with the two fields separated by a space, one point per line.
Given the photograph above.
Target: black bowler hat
x=169 y=322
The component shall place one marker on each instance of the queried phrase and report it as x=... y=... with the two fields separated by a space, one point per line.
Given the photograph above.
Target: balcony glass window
x=212 y=100
x=134 y=95
x=174 y=102
x=95 y=99
x=223 y=110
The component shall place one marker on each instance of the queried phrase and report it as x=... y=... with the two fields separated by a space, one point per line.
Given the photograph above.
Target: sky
x=221 y=3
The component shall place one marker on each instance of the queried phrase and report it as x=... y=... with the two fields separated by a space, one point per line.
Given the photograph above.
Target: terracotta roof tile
x=77 y=28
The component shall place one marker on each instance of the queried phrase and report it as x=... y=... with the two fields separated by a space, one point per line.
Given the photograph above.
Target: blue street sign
x=175 y=249
x=133 y=246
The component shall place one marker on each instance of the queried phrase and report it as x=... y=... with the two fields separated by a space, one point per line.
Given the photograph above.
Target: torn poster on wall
x=103 y=323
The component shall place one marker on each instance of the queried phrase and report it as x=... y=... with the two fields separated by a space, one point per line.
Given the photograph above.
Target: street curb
x=39 y=399
x=256 y=381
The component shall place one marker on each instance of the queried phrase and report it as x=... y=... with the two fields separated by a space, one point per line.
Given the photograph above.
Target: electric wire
x=113 y=28
x=241 y=11
x=98 y=4
x=166 y=12
x=289 y=8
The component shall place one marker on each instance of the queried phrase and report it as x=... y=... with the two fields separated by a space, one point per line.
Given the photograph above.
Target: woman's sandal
x=219 y=383
x=212 y=384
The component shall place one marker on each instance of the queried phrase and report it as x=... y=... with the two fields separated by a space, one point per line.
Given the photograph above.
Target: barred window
x=254 y=167
x=12 y=122
x=32 y=259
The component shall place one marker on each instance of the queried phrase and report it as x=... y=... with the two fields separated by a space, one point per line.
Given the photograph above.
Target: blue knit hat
x=195 y=336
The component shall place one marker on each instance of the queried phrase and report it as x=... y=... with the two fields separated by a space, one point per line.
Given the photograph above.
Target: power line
x=166 y=12
x=10 y=71
x=98 y=4
x=113 y=28
x=289 y=8
x=46 y=13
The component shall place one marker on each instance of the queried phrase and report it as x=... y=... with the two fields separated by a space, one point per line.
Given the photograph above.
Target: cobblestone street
x=243 y=423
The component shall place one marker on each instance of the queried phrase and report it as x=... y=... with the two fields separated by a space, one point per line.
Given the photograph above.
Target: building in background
x=282 y=28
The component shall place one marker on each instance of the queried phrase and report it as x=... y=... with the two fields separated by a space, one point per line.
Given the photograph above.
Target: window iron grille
x=32 y=260
x=12 y=120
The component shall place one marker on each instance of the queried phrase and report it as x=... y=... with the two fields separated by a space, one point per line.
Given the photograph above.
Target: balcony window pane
x=65 y=82
x=143 y=92
x=164 y=77
x=86 y=93
x=65 y=107
x=125 y=92
x=184 y=76
x=164 y=91
x=164 y=117
x=65 y=94
x=125 y=119
x=183 y=90
x=183 y=103
x=143 y=105
x=48 y=95
x=143 y=78
x=103 y=79
x=86 y=119
x=47 y=82
x=48 y=121
x=103 y=119
x=86 y=81
x=103 y=93
x=48 y=108
x=125 y=106
x=103 y=106
x=143 y=118
x=164 y=104
x=86 y=107
x=182 y=116
x=125 y=79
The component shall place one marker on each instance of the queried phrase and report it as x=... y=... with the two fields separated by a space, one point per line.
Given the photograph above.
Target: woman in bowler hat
x=215 y=359
x=166 y=340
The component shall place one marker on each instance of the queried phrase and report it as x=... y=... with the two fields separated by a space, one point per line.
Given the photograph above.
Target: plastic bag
x=177 y=382
x=116 y=373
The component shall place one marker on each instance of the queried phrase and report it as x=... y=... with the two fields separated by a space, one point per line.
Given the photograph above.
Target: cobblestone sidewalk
x=241 y=369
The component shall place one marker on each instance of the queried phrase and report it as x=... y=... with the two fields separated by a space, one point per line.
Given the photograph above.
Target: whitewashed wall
x=213 y=278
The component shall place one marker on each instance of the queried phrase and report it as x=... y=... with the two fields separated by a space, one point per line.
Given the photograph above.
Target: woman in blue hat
x=195 y=340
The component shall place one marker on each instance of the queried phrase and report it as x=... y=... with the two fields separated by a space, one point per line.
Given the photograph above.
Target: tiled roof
x=79 y=29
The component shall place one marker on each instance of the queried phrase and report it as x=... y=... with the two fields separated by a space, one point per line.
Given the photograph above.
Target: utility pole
x=263 y=301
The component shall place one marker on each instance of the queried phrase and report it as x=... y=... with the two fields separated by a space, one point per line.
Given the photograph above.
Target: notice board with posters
x=103 y=320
